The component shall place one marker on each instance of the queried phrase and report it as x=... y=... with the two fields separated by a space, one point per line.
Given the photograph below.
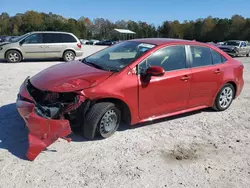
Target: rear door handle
x=217 y=71
x=185 y=78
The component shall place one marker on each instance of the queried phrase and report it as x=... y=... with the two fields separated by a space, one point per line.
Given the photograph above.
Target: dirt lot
x=201 y=149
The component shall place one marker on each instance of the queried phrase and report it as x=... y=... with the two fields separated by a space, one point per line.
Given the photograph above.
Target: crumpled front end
x=45 y=113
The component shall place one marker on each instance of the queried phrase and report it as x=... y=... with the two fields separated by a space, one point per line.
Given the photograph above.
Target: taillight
x=79 y=45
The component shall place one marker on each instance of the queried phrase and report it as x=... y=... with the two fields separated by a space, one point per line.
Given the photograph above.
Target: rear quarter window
x=217 y=58
x=67 y=38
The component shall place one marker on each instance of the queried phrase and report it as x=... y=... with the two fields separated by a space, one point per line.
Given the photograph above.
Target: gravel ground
x=200 y=149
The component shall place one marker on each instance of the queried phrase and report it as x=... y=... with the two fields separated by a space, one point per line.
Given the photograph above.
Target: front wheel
x=103 y=118
x=13 y=56
x=224 y=98
x=248 y=54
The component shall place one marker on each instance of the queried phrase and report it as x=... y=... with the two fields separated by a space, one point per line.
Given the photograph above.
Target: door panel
x=53 y=50
x=244 y=49
x=33 y=50
x=53 y=45
x=166 y=94
x=205 y=83
x=33 y=47
x=207 y=74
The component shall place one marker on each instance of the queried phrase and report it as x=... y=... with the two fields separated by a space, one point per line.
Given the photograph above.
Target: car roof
x=162 y=41
x=50 y=32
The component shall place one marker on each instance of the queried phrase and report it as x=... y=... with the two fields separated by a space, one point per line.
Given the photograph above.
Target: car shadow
x=76 y=137
x=125 y=127
x=14 y=135
x=36 y=60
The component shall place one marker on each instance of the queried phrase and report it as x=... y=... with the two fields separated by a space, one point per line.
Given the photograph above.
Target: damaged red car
x=133 y=81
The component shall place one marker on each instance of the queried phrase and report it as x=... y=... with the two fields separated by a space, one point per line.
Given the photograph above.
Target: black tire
x=248 y=54
x=94 y=120
x=13 y=56
x=217 y=103
x=69 y=56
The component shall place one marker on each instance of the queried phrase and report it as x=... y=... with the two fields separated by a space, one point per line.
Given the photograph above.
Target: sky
x=151 y=11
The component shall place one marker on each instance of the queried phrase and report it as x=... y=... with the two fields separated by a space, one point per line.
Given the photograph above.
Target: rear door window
x=201 y=56
x=51 y=38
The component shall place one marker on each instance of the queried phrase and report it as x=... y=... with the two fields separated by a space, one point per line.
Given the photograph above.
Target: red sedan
x=133 y=81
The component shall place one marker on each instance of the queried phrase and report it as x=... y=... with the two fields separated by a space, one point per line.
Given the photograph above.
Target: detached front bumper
x=43 y=131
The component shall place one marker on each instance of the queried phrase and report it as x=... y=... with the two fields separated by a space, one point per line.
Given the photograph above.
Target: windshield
x=17 y=39
x=118 y=56
x=232 y=43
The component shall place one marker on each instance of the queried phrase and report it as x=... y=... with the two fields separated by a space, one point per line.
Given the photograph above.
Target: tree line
x=203 y=29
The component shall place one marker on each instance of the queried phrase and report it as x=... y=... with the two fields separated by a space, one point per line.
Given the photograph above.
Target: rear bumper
x=79 y=53
x=239 y=88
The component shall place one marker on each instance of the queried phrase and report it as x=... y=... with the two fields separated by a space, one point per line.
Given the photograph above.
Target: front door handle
x=217 y=71
x=185 y=78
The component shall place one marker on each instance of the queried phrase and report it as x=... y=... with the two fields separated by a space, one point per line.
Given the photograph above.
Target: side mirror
x=21 y=42
x=155 y=71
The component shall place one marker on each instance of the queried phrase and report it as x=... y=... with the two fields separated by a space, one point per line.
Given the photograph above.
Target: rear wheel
x=69 y=56
x=13 y=56
x=224 y=98
x=103 y=118
x=248 y=54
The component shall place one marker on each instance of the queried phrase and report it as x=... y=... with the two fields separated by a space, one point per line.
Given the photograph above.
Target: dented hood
x=68 y=77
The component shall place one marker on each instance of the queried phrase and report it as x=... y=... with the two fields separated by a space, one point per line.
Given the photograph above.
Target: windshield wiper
x=93 y=64
x=99 y=66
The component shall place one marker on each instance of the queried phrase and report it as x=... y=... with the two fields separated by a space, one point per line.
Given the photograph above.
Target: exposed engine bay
x=53 y=105
x=49 y=115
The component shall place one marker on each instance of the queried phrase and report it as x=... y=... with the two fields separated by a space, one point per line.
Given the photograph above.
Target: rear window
x=58 y=38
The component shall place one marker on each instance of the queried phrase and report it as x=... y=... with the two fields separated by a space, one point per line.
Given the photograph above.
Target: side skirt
x=172 y=114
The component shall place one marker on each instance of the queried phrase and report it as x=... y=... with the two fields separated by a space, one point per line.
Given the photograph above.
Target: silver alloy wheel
x=226 y=97
x=69 y=56
x=108 y=122
x=13 y=57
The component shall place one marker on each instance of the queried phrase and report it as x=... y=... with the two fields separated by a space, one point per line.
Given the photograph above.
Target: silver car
x=44 y=44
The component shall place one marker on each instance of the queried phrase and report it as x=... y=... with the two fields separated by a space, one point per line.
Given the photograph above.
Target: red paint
x=165 y=94
x=70 y=76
